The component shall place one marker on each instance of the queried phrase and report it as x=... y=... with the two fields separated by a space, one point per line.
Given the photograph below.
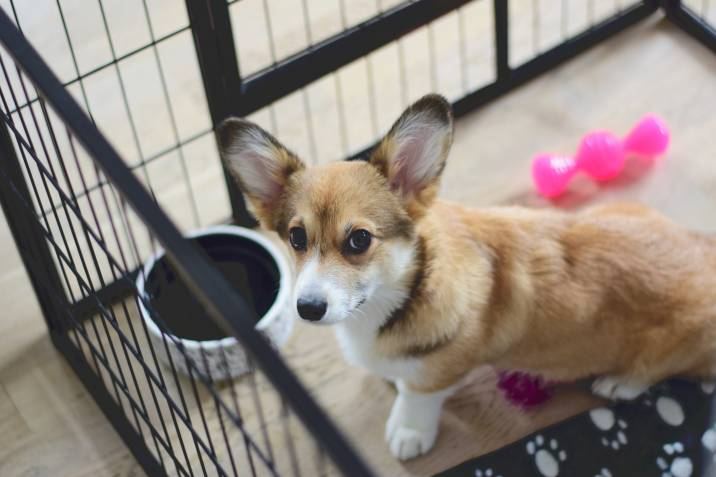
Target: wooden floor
x=49 y=426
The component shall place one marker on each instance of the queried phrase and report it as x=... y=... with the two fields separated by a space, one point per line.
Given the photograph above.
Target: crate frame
x=228 y=93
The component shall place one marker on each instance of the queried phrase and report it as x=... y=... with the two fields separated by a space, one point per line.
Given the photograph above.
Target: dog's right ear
x=260 y=164
x=413 y=153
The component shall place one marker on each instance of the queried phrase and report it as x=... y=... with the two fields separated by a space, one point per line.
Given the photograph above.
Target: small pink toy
x=522 y=389
x=601 y=155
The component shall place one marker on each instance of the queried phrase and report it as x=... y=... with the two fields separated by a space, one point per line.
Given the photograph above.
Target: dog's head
x=350 y=225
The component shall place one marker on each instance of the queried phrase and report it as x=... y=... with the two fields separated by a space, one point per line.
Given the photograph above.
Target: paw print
x=708 y=387
x=667 y=408
x=673 y=464
x=613 y=429
x=486 y=473
x=709 y=440
x=604 y=473
x=547 y=455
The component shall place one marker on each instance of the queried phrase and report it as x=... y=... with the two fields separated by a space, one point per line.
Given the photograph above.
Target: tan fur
x=615 y=290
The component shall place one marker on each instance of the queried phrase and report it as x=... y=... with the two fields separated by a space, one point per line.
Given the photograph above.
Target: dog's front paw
x=410 y=431
x=611 y=387
x=406 y=443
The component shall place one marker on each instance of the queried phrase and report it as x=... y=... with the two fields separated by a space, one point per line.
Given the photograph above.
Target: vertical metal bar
x=403 y=74
x=464 y=80
x=693 y=24
x=172 y=116
x=536 y=26
x=372 y=97
x=28 y=238
x=214 y=43
x=431 y=58
x=502 y=40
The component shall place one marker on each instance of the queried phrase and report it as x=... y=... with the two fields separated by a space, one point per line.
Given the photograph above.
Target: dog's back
x=617 y=289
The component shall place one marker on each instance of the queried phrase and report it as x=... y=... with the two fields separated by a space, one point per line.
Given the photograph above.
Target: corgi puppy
x=421 y=291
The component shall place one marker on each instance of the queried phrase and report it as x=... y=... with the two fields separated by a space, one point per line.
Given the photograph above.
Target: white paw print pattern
x=672 y=463
x=668 y=409
x=708 y=440
x=708 y=387
x=547 y=456
x=613 y=429
x=486 y=473
x=604 y=473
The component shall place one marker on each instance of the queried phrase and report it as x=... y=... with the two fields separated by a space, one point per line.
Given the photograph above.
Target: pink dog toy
x=522 y=389
x=601 y=155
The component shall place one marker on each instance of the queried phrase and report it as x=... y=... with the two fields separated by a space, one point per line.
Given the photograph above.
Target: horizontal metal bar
x=112 y=293
x=143 y=162
x=683 y=17
x=554 y=57
x=513 y=78
x=329 y=55
x=103 y=66
x=222 y=302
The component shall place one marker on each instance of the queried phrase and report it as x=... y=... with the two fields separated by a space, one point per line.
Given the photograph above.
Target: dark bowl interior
x=244 y=263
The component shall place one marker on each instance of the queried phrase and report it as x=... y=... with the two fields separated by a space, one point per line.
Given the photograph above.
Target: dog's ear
x=261 y=166
x=413 y=153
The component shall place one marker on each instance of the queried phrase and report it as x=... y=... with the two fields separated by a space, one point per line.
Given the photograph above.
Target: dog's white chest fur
x=356 y=337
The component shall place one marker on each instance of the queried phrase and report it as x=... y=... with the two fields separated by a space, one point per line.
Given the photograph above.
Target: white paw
x=547 y=456
x=612 y=388
x=406 y=443
x=673 y=464
x=613 y=429
x=604 y=473
x=413 y=423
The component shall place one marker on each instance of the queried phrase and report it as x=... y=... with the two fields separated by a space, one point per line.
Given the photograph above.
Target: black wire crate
x=108 y=158
x=82 y=226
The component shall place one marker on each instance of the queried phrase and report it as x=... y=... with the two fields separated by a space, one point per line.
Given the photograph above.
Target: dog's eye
x=358 y=241
x=298 y=239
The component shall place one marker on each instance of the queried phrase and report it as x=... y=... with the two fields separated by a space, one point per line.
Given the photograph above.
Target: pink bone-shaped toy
x=600 y=154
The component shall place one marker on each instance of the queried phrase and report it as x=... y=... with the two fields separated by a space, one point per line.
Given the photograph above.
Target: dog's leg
x=413 y=422
x=617 y=388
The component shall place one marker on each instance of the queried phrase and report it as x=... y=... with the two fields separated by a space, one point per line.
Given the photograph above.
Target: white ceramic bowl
x=276 y=324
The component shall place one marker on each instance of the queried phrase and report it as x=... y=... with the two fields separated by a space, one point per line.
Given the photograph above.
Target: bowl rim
x=273 y=313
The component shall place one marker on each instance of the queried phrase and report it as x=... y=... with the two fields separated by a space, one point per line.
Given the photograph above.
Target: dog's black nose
x=311 y=309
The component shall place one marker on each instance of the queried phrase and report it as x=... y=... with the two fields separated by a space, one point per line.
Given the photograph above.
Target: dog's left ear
x=412 y=155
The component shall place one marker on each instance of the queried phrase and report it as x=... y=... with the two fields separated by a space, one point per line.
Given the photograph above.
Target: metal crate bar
x=322 y=58
x=227 y=93
x=509 y=79
x=690 y=22
x=221 y=301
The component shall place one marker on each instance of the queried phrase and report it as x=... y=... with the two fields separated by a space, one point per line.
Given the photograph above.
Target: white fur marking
x=412 y=426
x=611 y=387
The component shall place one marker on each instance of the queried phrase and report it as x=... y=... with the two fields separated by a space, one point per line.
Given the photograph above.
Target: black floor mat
x=668 y=432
